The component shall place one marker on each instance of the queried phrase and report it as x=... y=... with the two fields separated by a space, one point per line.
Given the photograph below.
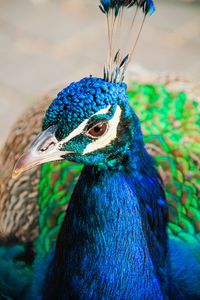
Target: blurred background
x=45 y=43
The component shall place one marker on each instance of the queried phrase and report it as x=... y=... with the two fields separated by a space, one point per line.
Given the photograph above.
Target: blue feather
x=102 y=237
x=147 y=6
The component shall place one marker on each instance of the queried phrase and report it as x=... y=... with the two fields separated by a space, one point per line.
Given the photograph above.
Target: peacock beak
x=45 y=148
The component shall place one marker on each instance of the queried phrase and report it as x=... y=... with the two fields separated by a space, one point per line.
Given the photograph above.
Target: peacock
x=103 y=219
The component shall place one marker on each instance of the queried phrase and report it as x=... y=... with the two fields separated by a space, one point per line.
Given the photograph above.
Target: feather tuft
x=107 y=5
x=117 y=61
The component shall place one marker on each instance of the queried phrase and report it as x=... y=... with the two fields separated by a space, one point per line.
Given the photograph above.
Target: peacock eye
x=98 y=129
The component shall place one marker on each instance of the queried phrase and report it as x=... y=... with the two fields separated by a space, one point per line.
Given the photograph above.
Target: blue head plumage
x=80 y=100
x=91 y=115
x=92 y=121
x=91 y=118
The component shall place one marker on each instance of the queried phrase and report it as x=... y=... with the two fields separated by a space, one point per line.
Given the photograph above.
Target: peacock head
x=89 y=122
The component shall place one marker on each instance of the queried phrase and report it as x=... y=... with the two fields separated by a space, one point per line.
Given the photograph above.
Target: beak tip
x=15 y=173
x=14 y=176
x=32 y=157
x=18 y=168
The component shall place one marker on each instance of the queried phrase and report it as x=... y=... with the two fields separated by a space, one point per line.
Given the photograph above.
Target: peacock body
x=112 y=241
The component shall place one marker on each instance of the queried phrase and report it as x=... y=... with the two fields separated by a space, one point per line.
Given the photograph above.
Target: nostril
x=46 y=146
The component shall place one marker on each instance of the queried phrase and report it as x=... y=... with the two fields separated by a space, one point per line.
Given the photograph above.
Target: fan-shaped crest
x=121 y=45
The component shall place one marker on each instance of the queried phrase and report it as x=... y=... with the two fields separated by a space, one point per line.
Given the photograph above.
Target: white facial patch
x=81 y=127
x=103 y=141
x=109 y=136
x=103 y=111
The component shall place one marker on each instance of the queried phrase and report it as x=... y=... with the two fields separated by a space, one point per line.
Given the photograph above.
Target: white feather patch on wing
x=110 y=135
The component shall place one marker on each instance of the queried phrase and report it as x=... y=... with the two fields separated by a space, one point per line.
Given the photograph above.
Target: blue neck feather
x=113 y=242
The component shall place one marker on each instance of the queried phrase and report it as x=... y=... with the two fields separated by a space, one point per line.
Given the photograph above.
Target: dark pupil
x=98 y=130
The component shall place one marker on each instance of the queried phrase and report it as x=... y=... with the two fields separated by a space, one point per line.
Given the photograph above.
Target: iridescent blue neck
x=113 y=242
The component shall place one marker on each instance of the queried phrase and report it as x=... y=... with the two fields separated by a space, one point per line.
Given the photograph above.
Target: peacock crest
x=121 y=17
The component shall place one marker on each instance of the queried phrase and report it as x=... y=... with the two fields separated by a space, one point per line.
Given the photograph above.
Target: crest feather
x=117 y=61
x=107 y=5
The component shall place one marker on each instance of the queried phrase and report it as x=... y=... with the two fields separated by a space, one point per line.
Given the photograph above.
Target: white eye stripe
x=110 y=135
x=103 y=111
x=81 y=127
